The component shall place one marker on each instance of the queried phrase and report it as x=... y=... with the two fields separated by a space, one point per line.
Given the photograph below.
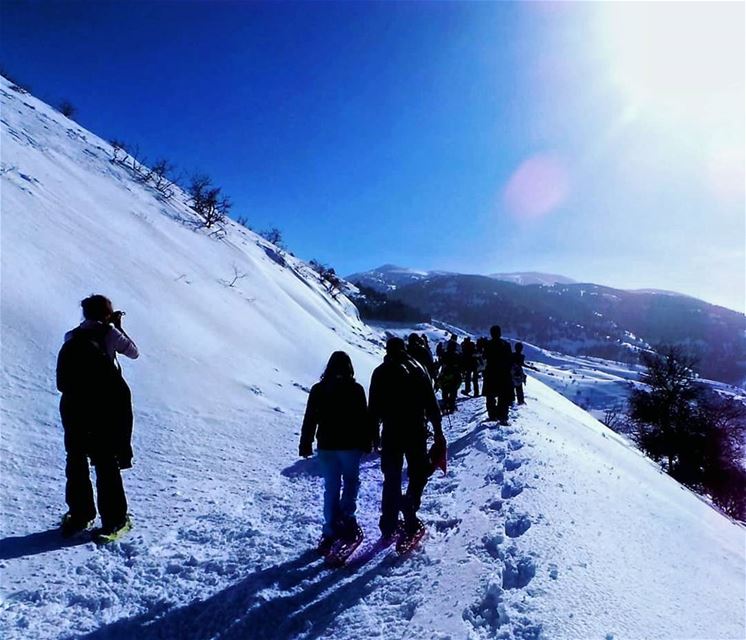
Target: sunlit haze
x=602 y=141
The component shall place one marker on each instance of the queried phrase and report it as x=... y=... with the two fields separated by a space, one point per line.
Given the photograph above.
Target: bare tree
x=160 y=174
x=328 y=277
x=207 y=201
x=237 y=275
x=615 y=418
x=273 y=235
x=67 y=109
x=118 y=151
x=137 y=163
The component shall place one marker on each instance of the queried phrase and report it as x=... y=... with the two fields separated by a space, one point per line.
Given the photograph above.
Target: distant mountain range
x=574 y=318
x=389 y=277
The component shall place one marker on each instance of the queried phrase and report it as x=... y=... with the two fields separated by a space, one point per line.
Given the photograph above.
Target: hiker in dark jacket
x=449 y=376
x=417 y=349
x=403 y=400
x=498 y=383
x=337 y=415
x=469 y=366
x=96 y=412
x=517 y=374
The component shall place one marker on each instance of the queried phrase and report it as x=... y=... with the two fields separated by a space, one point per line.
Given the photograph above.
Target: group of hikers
x=401 y=402
x=502 y=370
x=96 y=412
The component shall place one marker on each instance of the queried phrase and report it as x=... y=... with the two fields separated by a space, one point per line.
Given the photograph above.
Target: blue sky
x=602 y=141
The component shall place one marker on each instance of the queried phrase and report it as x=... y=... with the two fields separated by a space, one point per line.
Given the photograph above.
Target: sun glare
x=677 y=62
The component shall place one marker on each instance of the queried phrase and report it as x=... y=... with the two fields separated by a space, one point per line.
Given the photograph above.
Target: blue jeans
x=337 y=466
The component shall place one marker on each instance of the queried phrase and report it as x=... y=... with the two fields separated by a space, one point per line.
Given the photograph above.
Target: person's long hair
x=339 y=366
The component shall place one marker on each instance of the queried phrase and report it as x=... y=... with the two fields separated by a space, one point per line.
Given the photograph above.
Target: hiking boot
x=110 y=533
x=325 y=544
x=412 y=526
x=390 y=534
x=349 y=529
x=71 y=525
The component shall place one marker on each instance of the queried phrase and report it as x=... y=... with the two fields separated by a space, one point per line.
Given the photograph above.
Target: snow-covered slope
x=551 y=528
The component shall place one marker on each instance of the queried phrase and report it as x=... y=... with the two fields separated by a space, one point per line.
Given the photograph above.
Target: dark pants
x=106 y=442
x=112 y=503
x=449 y=396
x=472 y=375
x=393 y=502
x=519 y=394
x=498 y=404
x=491 y=406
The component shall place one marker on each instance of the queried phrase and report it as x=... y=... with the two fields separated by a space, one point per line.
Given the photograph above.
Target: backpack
x=516 y=373
x=83 y=366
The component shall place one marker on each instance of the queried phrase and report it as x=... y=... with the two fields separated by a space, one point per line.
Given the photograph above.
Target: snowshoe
x=71 y=526
x=325 y=544
x=109 y=535
x=343 y=548
x=410 y=538
x=371 y=551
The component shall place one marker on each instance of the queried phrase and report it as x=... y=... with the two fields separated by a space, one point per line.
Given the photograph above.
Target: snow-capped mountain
x=552 y=528
x=532 y=277
x=389 y=277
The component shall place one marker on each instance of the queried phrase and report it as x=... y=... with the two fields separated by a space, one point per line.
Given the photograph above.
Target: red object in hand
x=437 y=456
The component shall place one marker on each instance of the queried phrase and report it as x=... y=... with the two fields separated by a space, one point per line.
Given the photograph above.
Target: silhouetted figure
x=449 y=376
x=498 y=383
x=402 y=399
x=417 y=348
x=337 y=415
x=96 y=412
x=517 y=374
x=481 y=358
x=453 y=340
x=470 y=366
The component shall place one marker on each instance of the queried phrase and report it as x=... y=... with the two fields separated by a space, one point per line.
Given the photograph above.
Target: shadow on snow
x=36 y=543
x=291 y=607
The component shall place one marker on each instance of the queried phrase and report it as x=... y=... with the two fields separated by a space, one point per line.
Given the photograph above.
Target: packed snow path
x=278 y=586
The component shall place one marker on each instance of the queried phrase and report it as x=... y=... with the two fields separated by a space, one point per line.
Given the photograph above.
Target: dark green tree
x=697 y=434
x=662 y=411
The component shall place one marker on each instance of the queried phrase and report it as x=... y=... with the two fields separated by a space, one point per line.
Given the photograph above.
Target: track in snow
x=296 y=596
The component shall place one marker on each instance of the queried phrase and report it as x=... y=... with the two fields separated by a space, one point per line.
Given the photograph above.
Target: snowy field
x=550 y=528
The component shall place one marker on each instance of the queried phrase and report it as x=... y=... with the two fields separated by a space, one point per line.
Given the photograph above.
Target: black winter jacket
x=499 y=358
x=422 y=354
x=402 y=398
x=337 y=414
x=98 y=421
